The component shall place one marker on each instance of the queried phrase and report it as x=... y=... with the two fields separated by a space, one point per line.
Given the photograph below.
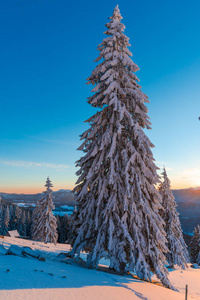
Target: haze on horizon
x=45 y=61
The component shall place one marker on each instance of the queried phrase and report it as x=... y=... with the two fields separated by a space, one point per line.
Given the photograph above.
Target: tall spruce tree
x=195 y=246
x=118 y=214
x=44 y=222
x=178 y=253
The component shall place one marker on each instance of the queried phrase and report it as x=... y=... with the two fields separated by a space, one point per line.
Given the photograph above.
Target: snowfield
x=59 y=277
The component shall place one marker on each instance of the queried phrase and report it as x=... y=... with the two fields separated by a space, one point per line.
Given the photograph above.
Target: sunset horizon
x=40 y=188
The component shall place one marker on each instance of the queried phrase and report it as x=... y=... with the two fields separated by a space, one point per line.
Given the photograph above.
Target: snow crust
x=29 y=278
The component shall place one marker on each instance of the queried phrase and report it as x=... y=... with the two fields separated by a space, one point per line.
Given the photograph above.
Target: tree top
x=48 y=183
x=116 y=14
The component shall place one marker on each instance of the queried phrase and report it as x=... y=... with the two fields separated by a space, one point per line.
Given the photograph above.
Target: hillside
x=61 y=278
x=188 y=201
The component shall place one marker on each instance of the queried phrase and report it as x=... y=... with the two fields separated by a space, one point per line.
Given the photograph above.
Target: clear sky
x=47 y=52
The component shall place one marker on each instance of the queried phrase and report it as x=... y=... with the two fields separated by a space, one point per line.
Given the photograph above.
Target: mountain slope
x=188 y=201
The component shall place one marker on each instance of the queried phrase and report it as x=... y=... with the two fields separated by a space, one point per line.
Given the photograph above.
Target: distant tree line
x=13 y=217
x=63 y=229
x=26 y=220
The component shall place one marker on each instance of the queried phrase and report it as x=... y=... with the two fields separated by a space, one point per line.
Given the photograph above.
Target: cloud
x=29 y=164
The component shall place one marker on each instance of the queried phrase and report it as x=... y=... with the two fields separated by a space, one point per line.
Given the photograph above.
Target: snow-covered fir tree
x=44 y=222
x=195 y=246
x=6 y=220
x=29 y=223
x=118 y=216
x=178 y=253
x=12 y=222
x=23 y=227
x=17 y=218
x=35 y=219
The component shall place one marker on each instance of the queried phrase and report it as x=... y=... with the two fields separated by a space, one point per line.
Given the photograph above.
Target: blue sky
x=47 y=52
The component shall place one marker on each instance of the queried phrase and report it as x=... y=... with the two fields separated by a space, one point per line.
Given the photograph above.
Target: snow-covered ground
x=60 y=278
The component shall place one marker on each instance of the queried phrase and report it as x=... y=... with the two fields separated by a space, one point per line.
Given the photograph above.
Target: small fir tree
x=35 y=219
x=12 y=222
x=18 y=219
x=118 y=214
x=23 y=228
x=195 y=246
x=6 y=220
x=44 y=222
x=58 y=227
x=29 y=223
x=178 y=253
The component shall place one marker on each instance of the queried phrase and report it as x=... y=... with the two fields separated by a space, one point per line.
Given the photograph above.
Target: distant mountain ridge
x=61 y=197
x=188 y=206
x=188 y=203
x=187 y=195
